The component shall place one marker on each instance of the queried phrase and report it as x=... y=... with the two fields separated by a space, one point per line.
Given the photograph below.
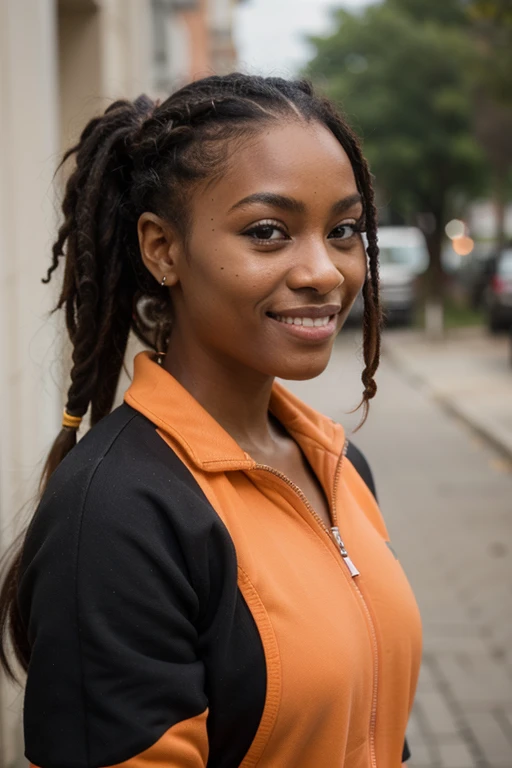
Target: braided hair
x=145 y=156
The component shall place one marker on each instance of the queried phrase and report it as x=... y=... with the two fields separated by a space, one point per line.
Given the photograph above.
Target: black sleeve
x=358 y=459
x=110 y=609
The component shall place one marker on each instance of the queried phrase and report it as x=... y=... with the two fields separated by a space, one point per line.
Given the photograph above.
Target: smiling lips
x=316 y=322
x=310 y=323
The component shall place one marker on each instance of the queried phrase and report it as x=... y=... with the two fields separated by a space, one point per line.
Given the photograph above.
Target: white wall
x=126 y=48
x=53 y=77
x=29 y=402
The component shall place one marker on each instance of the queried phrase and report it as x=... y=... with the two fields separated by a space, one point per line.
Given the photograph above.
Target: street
x=446 y=496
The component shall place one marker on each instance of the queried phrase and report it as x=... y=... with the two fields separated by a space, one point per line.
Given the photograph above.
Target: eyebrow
x=291 y=205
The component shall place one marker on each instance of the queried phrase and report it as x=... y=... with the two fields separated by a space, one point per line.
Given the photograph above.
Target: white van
x=403 y=255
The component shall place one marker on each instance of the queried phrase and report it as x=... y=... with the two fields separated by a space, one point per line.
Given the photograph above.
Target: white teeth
x=309 y=322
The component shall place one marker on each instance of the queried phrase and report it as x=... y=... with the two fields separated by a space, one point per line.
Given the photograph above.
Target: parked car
x=476 y=276
x=403 y=256
x=498 y=291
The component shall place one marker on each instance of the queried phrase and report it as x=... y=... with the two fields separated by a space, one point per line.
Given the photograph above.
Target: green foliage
x=491 y=24
x=495 y=11
x=400 y=71
x=441 y=11
x=491 y=28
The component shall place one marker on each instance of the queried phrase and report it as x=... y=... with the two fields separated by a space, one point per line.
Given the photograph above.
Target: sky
x=269 y=34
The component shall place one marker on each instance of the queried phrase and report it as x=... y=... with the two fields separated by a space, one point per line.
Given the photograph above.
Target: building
x=61 y=61
x=192 y=38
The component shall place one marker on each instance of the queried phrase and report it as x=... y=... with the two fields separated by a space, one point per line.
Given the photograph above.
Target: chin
x=302 y=372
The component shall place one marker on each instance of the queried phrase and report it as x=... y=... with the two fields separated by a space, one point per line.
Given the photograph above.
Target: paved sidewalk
x=469 y=373
x=463 y=711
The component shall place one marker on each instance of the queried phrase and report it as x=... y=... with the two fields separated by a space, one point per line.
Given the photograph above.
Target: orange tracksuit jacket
x=186 y=606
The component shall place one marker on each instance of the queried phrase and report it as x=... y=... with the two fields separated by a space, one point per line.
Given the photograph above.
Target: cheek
x=227 y=275
x=354 y=271
x=222 y=287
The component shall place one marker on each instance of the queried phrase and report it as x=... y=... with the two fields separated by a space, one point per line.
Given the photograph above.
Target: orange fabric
x=185 y=745
x=342 y=654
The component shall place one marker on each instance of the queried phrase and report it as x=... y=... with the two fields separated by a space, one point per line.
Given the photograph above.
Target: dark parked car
x=498 y=291
x=403 y=256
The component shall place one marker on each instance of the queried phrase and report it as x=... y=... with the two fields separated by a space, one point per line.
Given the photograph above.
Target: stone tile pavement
x=463 y=711
x=469 y=373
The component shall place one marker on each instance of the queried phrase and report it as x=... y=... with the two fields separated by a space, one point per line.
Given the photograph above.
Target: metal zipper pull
x=339 y=541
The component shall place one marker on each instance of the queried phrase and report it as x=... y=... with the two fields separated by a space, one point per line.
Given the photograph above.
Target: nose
x=314 y=269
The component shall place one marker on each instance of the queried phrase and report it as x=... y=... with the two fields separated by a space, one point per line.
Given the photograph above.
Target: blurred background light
x=463 y=245
x=455 y=228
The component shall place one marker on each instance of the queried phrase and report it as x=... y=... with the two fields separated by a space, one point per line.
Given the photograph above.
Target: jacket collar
x=164 y=401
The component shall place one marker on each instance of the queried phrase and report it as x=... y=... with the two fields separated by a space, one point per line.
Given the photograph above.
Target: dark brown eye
x=343 y=232
x=265 y=232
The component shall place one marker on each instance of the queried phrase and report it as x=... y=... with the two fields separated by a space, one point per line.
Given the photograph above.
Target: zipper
x=334 y=528
x=350 y=564
x=343 y=552
x=373 y=714
x=335 y=536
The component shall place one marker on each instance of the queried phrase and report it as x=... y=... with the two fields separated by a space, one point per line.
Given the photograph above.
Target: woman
x=206 y=580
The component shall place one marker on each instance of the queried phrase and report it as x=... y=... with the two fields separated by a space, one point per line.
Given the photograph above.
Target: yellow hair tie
x=72 y=422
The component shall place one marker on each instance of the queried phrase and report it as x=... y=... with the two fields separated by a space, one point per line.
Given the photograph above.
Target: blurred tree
x=440 y=11
x=489 y=23
x=493 y=128
x=498 y=11
x=491 y=26
x=400 y=71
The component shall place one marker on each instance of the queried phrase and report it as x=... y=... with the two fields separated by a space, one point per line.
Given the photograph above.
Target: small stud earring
x=164 y=278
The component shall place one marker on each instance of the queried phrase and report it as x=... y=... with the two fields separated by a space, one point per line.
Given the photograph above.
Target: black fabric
x=358 y=459
x=129 y=592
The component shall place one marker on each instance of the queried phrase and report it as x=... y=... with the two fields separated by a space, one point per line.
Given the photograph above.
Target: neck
x=236 y=397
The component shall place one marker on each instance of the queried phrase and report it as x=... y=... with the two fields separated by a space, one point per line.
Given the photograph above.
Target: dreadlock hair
x=143 y=156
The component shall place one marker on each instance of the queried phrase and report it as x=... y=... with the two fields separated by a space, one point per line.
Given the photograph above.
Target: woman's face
x=274 y=258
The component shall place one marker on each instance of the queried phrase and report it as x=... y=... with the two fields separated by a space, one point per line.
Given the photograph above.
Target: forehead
x=298 y=159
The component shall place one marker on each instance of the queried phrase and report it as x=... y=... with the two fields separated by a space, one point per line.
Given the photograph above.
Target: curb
x=500 y=441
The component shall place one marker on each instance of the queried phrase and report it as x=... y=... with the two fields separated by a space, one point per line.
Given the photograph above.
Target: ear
x=160 y=247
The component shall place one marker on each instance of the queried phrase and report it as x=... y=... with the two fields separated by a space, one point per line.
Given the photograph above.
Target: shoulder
x=121 y=499
x=121 y=460
x=363 y=488
x=123 y=451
